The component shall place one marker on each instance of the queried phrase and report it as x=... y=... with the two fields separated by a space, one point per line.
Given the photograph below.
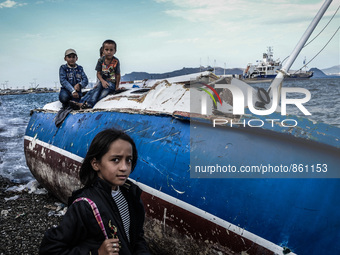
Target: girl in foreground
x=107 y=215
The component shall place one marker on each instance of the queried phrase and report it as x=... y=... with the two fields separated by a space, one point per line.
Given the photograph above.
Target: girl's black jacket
x=79 y=232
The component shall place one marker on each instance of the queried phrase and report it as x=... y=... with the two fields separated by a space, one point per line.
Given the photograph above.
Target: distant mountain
x=185 y=70
x=325 y=73
x=334 y=70
x=317 y=73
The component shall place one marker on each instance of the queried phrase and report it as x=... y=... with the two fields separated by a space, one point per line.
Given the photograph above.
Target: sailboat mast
x=277 y=82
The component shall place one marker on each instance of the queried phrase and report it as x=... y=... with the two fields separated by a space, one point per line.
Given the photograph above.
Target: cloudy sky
x=155 y=35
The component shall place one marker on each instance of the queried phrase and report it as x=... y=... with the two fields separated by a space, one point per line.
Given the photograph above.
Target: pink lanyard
x=95 y=212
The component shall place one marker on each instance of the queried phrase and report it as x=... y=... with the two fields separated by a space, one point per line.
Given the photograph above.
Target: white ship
x=267 y=69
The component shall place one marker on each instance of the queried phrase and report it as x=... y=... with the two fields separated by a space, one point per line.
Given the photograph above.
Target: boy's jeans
x=98 y=93
x=65 y=96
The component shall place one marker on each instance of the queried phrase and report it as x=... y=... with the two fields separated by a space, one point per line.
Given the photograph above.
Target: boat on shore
x=266 y=69
x=215 y=181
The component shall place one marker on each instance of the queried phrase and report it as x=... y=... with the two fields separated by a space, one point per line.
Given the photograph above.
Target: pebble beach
x=24 y=218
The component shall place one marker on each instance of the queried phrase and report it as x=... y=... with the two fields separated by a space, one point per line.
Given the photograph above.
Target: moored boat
x=266 y=69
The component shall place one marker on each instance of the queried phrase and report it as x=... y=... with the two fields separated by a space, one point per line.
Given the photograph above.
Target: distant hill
x=317 y=73
x=334 y=70
x=325 y=73
x=320 y=74
x=185 y=70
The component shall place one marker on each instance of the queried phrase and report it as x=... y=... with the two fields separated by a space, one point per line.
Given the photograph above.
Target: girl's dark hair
x=100 y=145
x=110 y=42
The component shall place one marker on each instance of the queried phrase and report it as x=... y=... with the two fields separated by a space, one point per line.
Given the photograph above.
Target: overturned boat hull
x=207 y=213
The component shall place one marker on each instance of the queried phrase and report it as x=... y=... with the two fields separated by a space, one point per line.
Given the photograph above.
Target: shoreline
x=23 y=221
x=18 y=92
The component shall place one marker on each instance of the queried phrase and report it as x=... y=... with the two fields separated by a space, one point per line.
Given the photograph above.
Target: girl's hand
x=109 y=247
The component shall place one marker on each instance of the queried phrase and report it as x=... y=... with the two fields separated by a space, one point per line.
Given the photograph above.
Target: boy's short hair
x=110 y=42
x=70 y=51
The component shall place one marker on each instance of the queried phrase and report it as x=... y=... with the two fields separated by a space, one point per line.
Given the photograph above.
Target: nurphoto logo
x=271 y=102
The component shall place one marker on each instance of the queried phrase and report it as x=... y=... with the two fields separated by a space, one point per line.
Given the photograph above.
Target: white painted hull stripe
x=54 y=148
x=212 y=218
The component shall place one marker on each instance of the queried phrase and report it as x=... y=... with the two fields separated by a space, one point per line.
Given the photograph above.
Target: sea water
x=324 y=104
x=15 y=114
x=14 y=117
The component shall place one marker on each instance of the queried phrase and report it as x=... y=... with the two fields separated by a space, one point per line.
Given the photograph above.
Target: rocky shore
x=24 y=218
x=27 y=211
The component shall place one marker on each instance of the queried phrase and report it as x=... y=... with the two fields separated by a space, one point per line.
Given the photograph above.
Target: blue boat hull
x=298 y=213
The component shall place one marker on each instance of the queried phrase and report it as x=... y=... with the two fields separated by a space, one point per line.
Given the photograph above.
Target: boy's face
x=109 y=50
x=71 y=59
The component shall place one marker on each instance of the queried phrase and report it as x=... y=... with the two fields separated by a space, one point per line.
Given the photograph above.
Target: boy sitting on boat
x=72 y=79
x=108 y=74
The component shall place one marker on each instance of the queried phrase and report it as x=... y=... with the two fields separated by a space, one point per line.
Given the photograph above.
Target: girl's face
x=109 y=50
x=115 y=166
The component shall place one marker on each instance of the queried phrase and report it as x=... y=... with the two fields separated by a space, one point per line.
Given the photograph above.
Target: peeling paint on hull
x=244 y=215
